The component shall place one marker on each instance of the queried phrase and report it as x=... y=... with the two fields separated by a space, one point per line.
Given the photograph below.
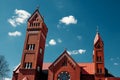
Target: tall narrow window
x=38 y=68
x=28 y=65
x=31 y=46
x=99 y=58
x=34 y=24
x=99 y=70
x=40 y=50
x=31 y=24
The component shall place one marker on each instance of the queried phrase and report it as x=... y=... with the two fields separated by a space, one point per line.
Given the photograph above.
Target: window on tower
x=38 y=68
x=31 y=47
x=99 y=70
x=38 y=24
x=99 y=58
x=34 y=24
x=28 y=65
x=41 y=50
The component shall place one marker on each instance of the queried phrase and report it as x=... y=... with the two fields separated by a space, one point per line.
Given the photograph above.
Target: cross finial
x=38 y=7
x=65 y=49
x=97 y=30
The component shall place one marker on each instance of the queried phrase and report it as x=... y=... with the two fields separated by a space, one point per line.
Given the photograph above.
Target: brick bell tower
x=33 y=52
x=98 y=57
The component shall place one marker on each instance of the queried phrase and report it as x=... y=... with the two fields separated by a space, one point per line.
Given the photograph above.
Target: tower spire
x=38 y=7
x=97 y=30
x=33 y=51
x=98 y=57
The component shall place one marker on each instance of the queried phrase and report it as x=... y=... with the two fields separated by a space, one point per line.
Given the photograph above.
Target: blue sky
x=71 y=25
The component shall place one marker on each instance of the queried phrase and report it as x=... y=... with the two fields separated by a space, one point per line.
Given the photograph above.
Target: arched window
x=63 y=76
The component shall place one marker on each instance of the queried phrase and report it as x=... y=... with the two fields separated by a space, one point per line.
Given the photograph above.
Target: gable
x=63 y=60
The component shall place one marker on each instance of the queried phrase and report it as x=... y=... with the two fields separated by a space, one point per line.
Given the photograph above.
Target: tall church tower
x=33 y=52
x=98 y=58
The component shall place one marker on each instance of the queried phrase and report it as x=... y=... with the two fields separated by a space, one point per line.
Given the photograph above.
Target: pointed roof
x=97 y=38
x=36 y=12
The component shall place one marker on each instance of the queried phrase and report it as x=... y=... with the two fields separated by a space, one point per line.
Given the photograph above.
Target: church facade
x=64 y=67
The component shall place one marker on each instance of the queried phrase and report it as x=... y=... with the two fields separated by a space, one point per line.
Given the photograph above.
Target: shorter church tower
x=33 y=52
x=98 y=58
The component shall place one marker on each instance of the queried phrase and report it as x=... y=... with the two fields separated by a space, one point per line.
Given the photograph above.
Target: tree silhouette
x=4 y=67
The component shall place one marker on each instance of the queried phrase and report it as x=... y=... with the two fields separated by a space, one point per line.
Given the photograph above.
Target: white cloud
x=52 y=42
x=79 y=37
x=20 y=17
x=111 y=59
x=68 y=20
x=115 y=61
x=81 y=51
x=59 y=41
x=116 y=64
x=7 y=79
x=74 y=52
x=14 y=34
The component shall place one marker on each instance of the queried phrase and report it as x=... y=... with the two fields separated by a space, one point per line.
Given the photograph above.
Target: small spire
x=38 y=7
x=97 y=30
x=65 y=49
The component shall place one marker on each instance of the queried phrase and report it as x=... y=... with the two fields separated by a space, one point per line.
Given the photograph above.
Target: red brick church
x=64 y=67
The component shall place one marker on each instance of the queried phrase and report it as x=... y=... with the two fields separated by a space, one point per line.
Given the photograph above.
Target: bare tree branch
x=4 y=67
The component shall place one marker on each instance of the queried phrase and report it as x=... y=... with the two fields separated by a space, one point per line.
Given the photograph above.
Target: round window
x=63 y=76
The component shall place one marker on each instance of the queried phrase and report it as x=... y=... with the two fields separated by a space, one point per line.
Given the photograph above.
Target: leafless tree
x=4 y=67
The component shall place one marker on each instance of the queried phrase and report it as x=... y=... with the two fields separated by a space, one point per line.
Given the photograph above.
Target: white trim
x=96 y=38
x=16 y=67
x=33 y=32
